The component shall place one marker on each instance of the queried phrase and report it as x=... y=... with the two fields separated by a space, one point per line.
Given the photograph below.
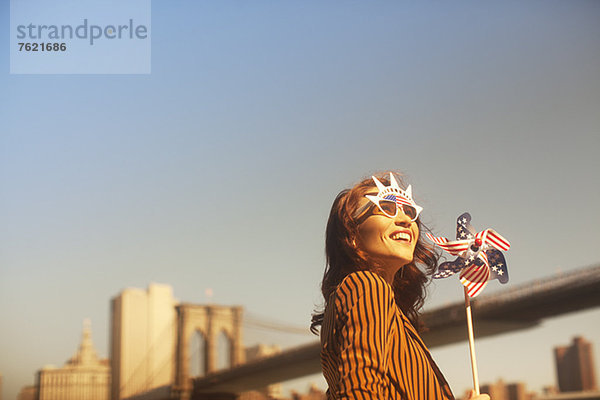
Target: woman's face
x=389 y=241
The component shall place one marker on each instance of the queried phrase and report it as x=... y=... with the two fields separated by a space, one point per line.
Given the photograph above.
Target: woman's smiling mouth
x=401 y=235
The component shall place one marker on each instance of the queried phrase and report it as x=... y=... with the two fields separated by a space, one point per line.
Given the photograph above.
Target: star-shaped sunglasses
x=391 y=199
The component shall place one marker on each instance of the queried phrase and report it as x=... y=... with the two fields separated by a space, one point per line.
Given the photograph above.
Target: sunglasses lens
x=388 y=207
x=409 y=211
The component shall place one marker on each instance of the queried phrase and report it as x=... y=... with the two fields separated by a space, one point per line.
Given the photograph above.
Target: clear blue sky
x=218 y=169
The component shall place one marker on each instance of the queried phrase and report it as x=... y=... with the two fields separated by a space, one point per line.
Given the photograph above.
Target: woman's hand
x=473 y=396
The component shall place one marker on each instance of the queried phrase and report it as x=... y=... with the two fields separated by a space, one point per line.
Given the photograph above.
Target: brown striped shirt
x=370 y=350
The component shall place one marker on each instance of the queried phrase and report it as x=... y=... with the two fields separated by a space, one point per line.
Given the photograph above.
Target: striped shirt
x=370 y=350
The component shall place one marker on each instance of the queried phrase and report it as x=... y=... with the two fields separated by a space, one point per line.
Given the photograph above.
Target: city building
x=28 y=393
x=517 y=391
x=314 y=393
x=575 y=368
x=586 y=395
x=549 y=390
x=83 y=377
x=143 y=335
x=504 y=391
x=497 y=391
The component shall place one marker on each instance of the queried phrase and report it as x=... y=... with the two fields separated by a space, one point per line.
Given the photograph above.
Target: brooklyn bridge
x=520 y=308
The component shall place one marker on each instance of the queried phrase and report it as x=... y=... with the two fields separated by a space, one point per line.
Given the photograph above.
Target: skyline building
x=28 y=393
x=142 y=340
x=506 y=391
x=575 y=368
x=83 y=377
x=157 y=346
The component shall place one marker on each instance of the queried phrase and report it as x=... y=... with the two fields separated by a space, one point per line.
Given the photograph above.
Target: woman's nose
x=402 y=219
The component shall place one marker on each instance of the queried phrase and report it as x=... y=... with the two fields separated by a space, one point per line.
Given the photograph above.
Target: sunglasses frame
x=398 y=207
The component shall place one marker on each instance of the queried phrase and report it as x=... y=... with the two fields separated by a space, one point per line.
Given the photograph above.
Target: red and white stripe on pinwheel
x=475 y=278
x=496 y=240
x=454 y=247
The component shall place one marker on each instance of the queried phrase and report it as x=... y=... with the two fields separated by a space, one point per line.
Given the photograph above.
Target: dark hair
x=343 y=257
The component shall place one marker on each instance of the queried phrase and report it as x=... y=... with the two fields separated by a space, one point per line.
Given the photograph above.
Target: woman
x=373 y=290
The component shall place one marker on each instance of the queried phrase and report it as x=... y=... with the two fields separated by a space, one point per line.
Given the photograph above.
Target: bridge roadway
x=519 y=308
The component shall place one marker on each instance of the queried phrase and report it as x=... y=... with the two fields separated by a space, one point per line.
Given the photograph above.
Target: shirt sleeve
x=365 y=308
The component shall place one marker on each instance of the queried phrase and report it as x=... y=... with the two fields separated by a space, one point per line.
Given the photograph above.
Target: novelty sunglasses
x=390 y=199
x=391 y=205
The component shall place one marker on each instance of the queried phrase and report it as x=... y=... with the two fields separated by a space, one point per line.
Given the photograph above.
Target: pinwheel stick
x=471 y=343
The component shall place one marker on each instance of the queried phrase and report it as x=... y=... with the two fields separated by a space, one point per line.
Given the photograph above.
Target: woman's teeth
x=400 y=236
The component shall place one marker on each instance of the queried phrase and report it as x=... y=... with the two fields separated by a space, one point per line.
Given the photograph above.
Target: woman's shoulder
x=364 y=280
x=360 y=284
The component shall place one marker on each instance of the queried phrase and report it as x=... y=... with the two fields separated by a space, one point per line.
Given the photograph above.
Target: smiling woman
x=373 y=287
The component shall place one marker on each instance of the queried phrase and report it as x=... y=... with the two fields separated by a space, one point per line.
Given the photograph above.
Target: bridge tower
x=210 y=321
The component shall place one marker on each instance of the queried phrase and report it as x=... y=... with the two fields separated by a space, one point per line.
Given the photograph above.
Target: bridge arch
x=215 y=324
x=224 y=351
x=197 y=355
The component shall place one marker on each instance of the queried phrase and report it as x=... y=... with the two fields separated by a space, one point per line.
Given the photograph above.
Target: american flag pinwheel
x=480 y=257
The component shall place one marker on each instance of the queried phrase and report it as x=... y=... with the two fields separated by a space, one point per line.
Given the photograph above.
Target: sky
x=217 y=170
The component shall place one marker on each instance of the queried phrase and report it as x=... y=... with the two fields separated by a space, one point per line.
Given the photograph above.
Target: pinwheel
x=479 y=256
x=479 y=259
